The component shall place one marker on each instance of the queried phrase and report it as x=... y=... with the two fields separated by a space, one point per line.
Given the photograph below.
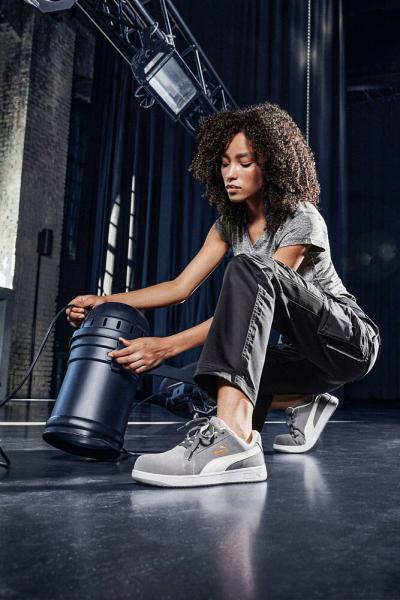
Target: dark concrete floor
x=324 y=526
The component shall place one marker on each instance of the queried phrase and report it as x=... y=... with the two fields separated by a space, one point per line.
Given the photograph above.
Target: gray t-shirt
x=305 y=226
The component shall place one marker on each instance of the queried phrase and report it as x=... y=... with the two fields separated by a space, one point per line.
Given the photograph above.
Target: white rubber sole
x=246 y=475
x=312 y=440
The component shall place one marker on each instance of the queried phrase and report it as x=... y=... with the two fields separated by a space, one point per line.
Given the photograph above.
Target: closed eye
x=242 y=164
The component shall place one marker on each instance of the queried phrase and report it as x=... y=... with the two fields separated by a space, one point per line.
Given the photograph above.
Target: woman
x=260 y=174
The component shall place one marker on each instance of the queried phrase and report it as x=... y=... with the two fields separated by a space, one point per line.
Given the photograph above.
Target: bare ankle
x=244 y=432
x=235 y=409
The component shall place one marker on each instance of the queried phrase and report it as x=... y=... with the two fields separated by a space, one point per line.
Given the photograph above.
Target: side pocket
x=343 y=332
x=336 y=322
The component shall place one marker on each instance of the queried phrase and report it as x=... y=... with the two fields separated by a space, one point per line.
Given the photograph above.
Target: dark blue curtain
x=259 y=49
x=374 y=232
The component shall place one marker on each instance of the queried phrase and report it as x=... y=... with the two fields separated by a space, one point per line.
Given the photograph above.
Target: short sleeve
x=306 y=226
x=223 y=230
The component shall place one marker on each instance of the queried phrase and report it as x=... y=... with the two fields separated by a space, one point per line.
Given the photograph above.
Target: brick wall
x=37 y=72
x=15 y=63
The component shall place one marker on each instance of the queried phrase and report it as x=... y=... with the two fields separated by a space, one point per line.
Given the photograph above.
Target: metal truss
x=128 y=24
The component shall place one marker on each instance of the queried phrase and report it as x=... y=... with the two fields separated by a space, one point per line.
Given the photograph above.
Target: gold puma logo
x=220 y=450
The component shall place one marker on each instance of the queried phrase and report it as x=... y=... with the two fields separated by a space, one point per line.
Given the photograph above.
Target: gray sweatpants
x=327 y=342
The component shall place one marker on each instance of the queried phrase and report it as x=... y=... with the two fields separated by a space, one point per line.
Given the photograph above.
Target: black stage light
x=91 y=412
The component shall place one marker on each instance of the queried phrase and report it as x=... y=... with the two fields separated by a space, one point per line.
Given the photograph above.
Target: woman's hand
x=142 y=353
x=76 y=314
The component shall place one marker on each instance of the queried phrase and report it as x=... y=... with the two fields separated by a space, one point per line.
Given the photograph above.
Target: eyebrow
x=240 y=155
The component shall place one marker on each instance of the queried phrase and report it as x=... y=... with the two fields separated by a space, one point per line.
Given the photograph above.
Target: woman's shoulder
x=305 y=206
x=308 y=210
x=229 y=232
x=223 y=228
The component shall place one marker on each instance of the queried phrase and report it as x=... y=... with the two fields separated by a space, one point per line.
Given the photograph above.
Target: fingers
x=79 y=304
x=123 y=351
x=75 y=312
x=78 y=309
x=120 y=353
x=126 y=356
x=124 y=360
x=71 y=323
x=75 y=315
x=134 y=366
x=82 y=304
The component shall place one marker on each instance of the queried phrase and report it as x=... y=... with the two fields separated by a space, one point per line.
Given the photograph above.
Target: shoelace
x=291 y=422
x=202 y=432
x=291 y=414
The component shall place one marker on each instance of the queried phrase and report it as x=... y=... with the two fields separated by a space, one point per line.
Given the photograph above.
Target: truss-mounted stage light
x=184 y=83
x=164 y=75
x=46 y=6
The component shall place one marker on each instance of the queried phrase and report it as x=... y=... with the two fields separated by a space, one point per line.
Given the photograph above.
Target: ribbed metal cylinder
x=92 y=408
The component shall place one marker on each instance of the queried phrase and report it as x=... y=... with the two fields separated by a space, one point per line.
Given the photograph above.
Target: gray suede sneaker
x=306 y=424
x=210 y=454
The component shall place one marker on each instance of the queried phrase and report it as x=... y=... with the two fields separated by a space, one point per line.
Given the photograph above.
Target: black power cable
x=7 y=461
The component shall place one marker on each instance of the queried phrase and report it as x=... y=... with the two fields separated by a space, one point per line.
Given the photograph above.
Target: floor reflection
x=229 y=516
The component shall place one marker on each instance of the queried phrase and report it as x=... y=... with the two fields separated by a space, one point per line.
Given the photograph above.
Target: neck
x=255 y=210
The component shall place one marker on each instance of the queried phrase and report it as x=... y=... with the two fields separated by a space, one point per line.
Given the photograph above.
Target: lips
x=232 y=187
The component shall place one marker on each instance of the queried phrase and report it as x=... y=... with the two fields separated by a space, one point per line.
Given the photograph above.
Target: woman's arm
x=189 y=338
x=154 y=296
x=167 y=293
x=179 y=289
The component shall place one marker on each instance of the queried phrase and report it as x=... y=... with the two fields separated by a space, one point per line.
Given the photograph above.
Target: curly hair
x=286 y=160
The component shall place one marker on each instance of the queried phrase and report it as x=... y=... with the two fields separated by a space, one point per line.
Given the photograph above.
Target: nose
x=230 y=173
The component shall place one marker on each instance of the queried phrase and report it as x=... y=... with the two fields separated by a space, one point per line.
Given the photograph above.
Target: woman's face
x=240 y=169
